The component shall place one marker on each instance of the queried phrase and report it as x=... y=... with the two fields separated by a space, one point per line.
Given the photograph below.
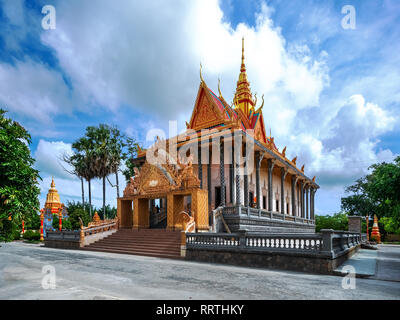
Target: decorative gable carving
x=205 y=113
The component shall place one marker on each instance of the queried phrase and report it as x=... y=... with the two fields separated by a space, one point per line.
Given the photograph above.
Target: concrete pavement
x=364 y=263
x=97 y=275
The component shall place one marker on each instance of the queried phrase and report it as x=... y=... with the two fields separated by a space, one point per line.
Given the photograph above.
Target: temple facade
x=233 y=167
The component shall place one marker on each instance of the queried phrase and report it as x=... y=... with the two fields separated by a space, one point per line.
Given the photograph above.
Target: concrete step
x=138 y=249
x=141 y=243
x=133 y=252
x=146 y=242
x=137 y=245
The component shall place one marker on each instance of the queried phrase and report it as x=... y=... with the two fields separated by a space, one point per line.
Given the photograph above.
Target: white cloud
x=152 y=61
x=49 y=157
x=341 y=151
x=33 y=90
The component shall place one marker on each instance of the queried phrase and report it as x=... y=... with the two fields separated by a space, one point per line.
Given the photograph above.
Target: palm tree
x=72 y=161
x=101 y=144
x=83 y=162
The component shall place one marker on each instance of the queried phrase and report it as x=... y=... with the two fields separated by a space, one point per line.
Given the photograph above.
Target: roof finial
x=219 y=89
x=243 y=67
x=201 y=77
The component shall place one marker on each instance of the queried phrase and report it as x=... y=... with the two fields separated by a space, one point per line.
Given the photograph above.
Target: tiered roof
x=211 y=111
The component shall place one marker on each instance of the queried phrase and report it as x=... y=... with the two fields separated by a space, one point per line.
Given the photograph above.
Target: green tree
x=390 y=225
x=376 y=193
x=130 y=153
x=75 y=211
x=83 y=162
x=339 y=221
x=101 y=140
x=19 y=191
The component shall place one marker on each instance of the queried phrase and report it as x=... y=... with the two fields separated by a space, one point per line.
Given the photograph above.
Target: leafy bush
x=390 y=225
x=75 y=210
x=31 y=235
x=74 y=218
x=339 y=221
x=66 y=224
x=33 y=222
x=9 y=231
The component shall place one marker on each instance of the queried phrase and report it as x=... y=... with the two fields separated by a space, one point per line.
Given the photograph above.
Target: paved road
x=388 y=266
x=93 y=275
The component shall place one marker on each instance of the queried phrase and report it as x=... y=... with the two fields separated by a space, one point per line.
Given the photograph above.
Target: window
x=264 y=203
x=277 y=205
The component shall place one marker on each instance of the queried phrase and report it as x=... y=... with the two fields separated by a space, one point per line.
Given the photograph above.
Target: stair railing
x=188 y=225
x=217 y=213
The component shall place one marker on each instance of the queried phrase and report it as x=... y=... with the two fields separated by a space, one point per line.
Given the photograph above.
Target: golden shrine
x=52 y=206
x=375 y=234
x=53 y=199
x=214 y=177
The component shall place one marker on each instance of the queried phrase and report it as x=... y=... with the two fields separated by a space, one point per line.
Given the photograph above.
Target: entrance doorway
x=158 y=213
x=218 y=196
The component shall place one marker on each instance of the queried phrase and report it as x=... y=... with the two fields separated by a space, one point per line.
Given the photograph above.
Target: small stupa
x=52 y=207
x=53 y=199
x=375 y=234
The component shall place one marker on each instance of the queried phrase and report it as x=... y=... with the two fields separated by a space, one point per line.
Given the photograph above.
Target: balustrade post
x=242 y=238
x=327 y=241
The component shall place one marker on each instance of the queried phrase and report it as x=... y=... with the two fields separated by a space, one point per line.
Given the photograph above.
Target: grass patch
x=393 y=242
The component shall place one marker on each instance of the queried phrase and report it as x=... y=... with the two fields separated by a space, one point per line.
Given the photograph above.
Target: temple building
x=52 y=206
x=233 y=167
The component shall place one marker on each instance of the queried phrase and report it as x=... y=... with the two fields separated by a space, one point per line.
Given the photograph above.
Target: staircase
x=145 y=242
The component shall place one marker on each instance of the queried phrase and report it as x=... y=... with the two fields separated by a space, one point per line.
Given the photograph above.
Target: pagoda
x=53 y=199
x=52 y=206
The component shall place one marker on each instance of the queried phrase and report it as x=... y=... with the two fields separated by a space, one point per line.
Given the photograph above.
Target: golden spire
x=243 y=97
x=242 y=67
x=53 y=198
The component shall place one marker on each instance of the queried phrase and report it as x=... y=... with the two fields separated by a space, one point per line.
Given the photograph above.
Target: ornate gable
x=162 y=178
x=153 y=180
x=206 y=113
x=259 y=130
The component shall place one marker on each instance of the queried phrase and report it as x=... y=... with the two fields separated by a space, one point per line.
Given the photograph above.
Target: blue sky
x=332 y=94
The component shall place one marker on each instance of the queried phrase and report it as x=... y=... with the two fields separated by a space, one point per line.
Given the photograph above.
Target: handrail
x=188 y=223
x=218 y=212
x=327 y=243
